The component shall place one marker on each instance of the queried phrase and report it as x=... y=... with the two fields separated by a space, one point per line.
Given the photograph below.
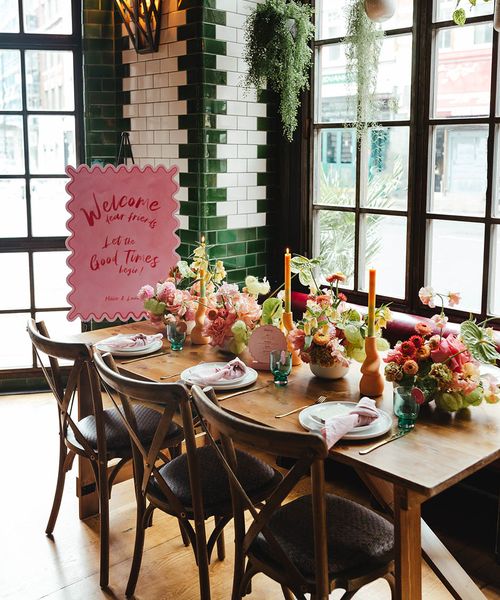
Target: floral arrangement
x=234 y=314
x=330 y=332
x=445 y=368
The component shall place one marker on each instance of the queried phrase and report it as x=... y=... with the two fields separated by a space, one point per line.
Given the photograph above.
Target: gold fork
x=320 y=400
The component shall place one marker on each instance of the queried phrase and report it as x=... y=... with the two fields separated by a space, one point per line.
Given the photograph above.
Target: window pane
x=13 y=195
x=494 y=303
x=463 y=71
x=52 y=143
x=388 y=169
x=403 y=17
x=455 y=260
x=336 y=242
x=336 y=167
x=17 y=353
x=9 y=17
x=444 y=9
x=10 y=80
x=459 y=158
x=49 y=77
x=11 y=145
x=48 y=207
x=52 y=16
x=394 y=78
x=330 y=19
x=50 y=272
x=334 y=97
x=14 y=267
x=383 y=247
x=58 y=327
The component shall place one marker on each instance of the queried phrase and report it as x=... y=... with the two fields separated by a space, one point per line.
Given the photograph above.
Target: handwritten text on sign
x=122 y=228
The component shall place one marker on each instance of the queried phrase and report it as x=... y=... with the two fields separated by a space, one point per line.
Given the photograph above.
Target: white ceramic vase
x=336 y=371
x=380 y=10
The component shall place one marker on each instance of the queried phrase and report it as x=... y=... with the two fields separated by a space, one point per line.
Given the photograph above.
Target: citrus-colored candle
x=371 y=303
x=288 y=282
x=203 y=291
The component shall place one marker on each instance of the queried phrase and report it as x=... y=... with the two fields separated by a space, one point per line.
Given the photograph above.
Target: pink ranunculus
x=146 y=292
x=440 y=320
x=427 y=295
x=463 y=385
x=453 y=351
x=453 y=298
x=297 y=339
x=394 y=356
x=165 y=291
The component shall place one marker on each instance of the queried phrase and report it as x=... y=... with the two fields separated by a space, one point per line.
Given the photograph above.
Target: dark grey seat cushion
x=117 y=437
x=358 y=538
x=254 y=475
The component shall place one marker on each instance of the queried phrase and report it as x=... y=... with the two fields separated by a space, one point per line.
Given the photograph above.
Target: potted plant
x=460 y=16
x=363 y=42
x=277 y=51
x=380 y=10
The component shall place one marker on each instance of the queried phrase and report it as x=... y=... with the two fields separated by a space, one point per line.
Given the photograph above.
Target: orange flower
x=423 y=329
x=321 y=339
x=334 y=277
x=423 y=352
x=410 y=367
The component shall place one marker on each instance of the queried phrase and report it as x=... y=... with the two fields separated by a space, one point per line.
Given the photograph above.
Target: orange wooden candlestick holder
x=289 y=325
x=372 y=382
x=197 y=336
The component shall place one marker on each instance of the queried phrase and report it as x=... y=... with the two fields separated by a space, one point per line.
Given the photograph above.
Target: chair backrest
x=81 y=374
x=168 y=398
x=310 y=451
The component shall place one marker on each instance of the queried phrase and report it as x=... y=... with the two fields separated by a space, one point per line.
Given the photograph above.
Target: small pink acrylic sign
x=263 y=340
x=122 y=236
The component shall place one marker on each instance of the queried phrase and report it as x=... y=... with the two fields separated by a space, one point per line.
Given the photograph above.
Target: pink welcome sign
x=122 y=236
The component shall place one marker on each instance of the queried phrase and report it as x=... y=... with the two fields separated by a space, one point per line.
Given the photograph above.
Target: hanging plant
x=363 y=42
x=277 y=51
x=459 y=14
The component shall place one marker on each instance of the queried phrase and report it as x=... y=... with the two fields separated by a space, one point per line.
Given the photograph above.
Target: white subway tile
x=152 y=66
x=227 y=208
x=257 y=220
x=183 y=221
x=247 y=206
x=153 y=95
x=235 y=20
x=237 y=108
x=257 y=109
x=154 y=123
x=177 y=108
x=154 y=151
x=257 y=192
x=177 y=48
x=182 y=194
x=129 y=56
x=227 y=179
x=178 y=136
x=257 y=164
x=160 y=80
x=236 y=165
x=169 y=150
x=168 y=65
x=227 y=151
x=161 y=137
x=236 y=193
x=247 y=151
x=168 y=93
x=137 y=96
x=226 y=63
x=236 y=137
x=137 y=124
x=229 y=5
x=246 y=179
x=237 y=221
x=242 y=65
x=145 y=82
x=257 y=137
x=171 y=122
x=181 y=164
x=176 y=18
x=247 y=123
x=161 y=109
x=224 y=92
x=130 y=110
x=129 y=84
x=146 y=137
x=146 y=110
x=137 y=69
x=247 y=94
x=226 y=122
x=177 y=78
x=234 y=49
x=226 y=34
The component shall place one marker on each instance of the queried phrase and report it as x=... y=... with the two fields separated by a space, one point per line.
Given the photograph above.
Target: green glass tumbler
x=176 y=335
x=405 y=407
x=281 y=365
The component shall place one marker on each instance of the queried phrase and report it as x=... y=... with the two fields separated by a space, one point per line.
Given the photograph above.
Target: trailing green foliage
x=277 y=36
x=363 y=43
x=459 y=14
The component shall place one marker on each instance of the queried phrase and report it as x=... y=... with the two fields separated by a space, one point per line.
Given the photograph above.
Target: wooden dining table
x=441 y=451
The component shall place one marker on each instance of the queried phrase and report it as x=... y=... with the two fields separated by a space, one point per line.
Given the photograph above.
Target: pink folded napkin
x=130 y=342
x=335 y=428
x=234 y=369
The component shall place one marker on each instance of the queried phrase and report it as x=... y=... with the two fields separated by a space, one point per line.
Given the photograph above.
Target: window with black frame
x=40 y=121
x=445 y=231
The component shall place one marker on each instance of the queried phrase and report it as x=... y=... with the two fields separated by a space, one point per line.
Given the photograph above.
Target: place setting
x=134 y=346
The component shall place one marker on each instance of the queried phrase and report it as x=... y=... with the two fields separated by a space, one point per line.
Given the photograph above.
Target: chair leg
x=104 y=524
x=287 y=594
x=138 y=547
x=221 y=546
x=61 y=477
x=184 y=535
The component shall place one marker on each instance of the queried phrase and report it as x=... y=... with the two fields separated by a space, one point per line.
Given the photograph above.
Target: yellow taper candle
x=288 y=282
x=371 y=304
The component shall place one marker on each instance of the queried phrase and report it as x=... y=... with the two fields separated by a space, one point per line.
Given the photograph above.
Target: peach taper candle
x=371 y=383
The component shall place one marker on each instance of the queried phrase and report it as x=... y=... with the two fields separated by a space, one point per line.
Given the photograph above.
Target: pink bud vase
x=197 y=336
x=372 y=382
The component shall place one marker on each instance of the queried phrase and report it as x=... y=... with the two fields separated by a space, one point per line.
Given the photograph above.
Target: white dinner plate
x=249 y=378
x=153 y=347
x=206 y=369
x=105 y=348
x=329 y=409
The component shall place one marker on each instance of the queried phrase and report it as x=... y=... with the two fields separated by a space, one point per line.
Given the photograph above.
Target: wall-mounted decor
x=142 y=20
x=278 y=54
x=122 y=233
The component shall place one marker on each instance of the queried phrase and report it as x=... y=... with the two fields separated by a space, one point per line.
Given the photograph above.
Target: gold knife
x=127 y=362
x=242 y=392
x=394 y=436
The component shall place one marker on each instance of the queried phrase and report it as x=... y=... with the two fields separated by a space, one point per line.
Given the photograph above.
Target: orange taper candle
x=203 y=291
x=288 y=282
x=371 y=304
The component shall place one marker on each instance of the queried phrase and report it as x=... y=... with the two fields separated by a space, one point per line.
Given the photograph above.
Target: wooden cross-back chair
x=313 y=544
x=99 y=437
x=192 y=487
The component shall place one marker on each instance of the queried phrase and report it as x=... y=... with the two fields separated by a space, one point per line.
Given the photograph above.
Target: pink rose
x=297 y=339
x=452 y=351
x=146 y=292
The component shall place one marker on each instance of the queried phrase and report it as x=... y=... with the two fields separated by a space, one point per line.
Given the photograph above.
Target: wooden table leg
x=86 y=490
x=442 y=562
x=407 y=544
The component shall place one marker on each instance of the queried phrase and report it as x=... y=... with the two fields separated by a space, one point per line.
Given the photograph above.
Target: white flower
x=440 y=320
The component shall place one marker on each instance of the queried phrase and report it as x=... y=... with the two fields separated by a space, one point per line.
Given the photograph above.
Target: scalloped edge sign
x=122 y=236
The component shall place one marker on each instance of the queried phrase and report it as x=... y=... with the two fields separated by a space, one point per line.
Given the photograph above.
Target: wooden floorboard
x=32 y=566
